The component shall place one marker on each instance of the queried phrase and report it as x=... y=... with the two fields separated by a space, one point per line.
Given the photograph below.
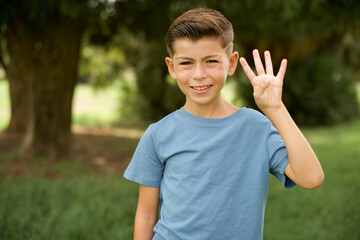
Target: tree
x=43 y=42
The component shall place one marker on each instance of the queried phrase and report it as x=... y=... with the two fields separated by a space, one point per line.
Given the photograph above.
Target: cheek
x=183 y=75
x=219 y=73
x=181 y=78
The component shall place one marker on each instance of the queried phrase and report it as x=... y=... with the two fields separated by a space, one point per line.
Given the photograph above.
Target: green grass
x=332 y=211
x=80 y=204
x=74 y=208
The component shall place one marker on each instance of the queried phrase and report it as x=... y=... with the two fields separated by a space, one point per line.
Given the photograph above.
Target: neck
x=219 y=109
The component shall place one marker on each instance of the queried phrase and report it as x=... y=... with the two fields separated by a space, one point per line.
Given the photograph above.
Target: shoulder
x=168 y=120
x=164 y=125
x=254 y=117
x=251 y=123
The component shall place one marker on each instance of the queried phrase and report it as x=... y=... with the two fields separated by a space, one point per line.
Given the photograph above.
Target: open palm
x=267 y=86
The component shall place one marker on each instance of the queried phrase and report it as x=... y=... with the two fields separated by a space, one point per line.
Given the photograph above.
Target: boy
x=207 y=164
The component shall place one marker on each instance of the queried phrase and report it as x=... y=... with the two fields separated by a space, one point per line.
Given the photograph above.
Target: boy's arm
x=304 y=168
x=146 y=213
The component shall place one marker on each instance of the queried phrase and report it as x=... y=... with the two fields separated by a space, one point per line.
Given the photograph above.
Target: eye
x=212 y=61
x=185 y=63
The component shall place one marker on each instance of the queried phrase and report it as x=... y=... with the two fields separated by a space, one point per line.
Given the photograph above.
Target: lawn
x=332 y=211
x=85 y=197
x=67 y=208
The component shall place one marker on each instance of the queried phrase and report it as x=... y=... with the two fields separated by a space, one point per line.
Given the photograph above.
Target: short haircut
x=200 y=23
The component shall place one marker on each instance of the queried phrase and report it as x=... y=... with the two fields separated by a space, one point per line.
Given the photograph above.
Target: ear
x=170 y=66
x=233 y=60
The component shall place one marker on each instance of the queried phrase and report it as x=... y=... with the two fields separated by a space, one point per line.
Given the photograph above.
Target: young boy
x=207 y=164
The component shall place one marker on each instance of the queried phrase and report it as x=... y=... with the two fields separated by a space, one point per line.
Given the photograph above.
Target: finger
x=268 y=63
x=282 y=70
x=247 y=69
x=258 y=64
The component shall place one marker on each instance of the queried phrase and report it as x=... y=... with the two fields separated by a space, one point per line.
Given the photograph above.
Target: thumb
x=260 y=88
x=266 y=83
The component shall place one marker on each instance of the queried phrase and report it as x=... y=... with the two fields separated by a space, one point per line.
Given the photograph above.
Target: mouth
x=201 y=89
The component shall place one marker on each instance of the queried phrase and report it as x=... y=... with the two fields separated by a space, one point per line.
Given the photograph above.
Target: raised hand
x=267 y=86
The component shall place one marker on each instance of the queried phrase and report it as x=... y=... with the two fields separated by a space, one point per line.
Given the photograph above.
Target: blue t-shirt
x=213 y=173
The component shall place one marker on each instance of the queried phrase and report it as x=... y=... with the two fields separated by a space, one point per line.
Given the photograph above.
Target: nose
x=199 y=72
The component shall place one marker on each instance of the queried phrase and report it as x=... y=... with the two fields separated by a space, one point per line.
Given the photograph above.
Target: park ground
x=85 y=196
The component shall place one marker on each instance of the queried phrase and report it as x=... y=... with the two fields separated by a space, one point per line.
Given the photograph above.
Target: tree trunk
x=43 y=68
x=19 y=73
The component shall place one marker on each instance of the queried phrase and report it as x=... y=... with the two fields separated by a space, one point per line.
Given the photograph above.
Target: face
x=200 y=69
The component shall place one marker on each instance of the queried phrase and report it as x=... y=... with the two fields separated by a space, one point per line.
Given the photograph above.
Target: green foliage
x=352 y=49
x=38 y=11
x=318 y=90
x=289 y=29
x=101 y=66
x=322 y=91
x=161 y=94
x=133 y=34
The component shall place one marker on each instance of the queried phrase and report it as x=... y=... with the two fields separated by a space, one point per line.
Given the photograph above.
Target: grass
x=332 y=211
x=73 y=208
x=103 y=207
x=82 y=202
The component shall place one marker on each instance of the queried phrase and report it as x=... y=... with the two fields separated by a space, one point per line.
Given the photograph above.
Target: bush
x=318 y=90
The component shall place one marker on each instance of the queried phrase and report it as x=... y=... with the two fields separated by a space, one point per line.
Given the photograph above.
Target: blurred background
x=80 y=80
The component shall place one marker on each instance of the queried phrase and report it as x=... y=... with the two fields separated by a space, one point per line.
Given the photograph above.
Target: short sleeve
x=278 y=157
x=145 y=167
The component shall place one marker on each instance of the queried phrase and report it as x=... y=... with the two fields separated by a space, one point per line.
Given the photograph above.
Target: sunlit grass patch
x=95 y=107
x=4 y=104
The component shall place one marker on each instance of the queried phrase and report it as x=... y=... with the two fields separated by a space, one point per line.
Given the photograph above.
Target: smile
x=199 y=88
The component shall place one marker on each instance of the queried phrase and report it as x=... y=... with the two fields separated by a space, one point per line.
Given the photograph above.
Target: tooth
x=201 y=88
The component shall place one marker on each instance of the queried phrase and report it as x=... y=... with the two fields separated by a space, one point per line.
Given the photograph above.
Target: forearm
x=304 y=168
x=143 y=229
x=146 y=213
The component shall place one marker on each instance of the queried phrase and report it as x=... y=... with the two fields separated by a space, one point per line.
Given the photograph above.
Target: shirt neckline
x=189 y=117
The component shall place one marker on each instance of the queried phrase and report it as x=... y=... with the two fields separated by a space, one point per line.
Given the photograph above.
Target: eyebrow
x=189 y=58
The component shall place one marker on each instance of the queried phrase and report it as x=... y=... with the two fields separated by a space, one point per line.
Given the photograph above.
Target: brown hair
x=200 y=23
